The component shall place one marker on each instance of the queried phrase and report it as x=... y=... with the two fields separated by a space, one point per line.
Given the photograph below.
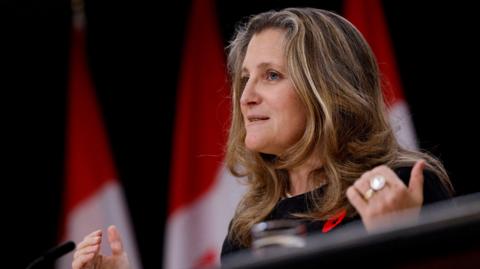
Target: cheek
x=293 y=124
x=295 y=115
x=299 y=118
x=298 y=125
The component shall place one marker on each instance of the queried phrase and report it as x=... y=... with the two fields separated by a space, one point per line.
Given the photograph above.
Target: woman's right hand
x=87 y=255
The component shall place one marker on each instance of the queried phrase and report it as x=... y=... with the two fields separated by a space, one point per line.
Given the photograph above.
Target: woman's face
x=273 y=115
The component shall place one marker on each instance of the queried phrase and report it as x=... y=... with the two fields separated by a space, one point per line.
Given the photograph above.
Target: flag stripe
x=200 y=228
x=202 y=110
x=402 y=125
x=89 y=165
x=368 y=17
x=103 y=207
x=93 y=195
x=203 y=194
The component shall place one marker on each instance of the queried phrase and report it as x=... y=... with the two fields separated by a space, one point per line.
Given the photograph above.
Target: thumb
x=415 y=186
x=115 y=241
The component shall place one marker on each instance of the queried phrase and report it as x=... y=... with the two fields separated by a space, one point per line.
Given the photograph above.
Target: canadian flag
x=93 y=196
x=203 y=195
x=367 y=16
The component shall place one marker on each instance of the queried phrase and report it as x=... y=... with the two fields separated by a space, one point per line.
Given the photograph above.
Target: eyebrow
x=263 y=65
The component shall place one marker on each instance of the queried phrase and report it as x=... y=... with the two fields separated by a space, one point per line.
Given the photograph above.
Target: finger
x=87 y=250
x=115 y=241
x=356 y=199
x=95 y=233
x=362 y=184
x=82 y=261
x=96 y=240
x=391 y=178
x=415 y=186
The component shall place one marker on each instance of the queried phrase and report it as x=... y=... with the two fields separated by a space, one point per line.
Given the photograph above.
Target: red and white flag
x=203 y=195
x=93 y=196
x=368 y=17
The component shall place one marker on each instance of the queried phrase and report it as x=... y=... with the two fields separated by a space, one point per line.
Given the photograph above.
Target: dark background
x=135 y=50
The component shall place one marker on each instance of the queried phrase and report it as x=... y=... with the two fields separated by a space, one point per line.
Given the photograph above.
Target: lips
x=255 y=118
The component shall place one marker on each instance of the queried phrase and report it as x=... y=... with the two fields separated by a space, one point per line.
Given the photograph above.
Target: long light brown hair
x=336 y=77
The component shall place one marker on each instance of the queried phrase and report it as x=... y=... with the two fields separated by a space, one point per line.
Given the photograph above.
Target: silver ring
x=377 y=183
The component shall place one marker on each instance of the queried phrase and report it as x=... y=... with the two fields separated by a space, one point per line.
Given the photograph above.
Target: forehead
x=266 y=46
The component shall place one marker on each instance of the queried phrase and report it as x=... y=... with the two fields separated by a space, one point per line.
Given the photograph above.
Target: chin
x=259 y=148
x=254 y=145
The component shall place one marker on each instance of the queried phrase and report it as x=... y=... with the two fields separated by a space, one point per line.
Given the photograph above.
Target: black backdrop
x=135 y=49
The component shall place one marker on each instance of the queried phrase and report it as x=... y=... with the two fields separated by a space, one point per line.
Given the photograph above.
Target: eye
x=243 y=82
x=273 y=75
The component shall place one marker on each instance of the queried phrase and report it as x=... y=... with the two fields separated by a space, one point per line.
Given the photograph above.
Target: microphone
x=53 y=254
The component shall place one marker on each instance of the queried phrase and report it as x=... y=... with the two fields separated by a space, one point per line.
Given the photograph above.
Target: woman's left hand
x=379 y=192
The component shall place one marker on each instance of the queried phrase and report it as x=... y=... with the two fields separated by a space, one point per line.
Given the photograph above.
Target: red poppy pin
x=334 y=220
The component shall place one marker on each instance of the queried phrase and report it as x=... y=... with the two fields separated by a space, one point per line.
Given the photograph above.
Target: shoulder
x=433 y=188
x=229 y=246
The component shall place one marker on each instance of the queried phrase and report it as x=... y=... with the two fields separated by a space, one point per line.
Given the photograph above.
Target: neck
x=299 y=176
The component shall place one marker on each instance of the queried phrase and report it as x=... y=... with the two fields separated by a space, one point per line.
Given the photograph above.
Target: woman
x=309 y=121
x=309 y=132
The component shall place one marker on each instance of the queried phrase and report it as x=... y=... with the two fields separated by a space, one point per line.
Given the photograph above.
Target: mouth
x=256 y=118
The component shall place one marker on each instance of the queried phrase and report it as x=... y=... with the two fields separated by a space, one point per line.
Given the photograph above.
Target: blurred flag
x=203 y=195
x=368 y=17
x=93 y=197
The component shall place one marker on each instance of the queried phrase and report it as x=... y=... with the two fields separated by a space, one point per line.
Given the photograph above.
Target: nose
x=250 y=94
